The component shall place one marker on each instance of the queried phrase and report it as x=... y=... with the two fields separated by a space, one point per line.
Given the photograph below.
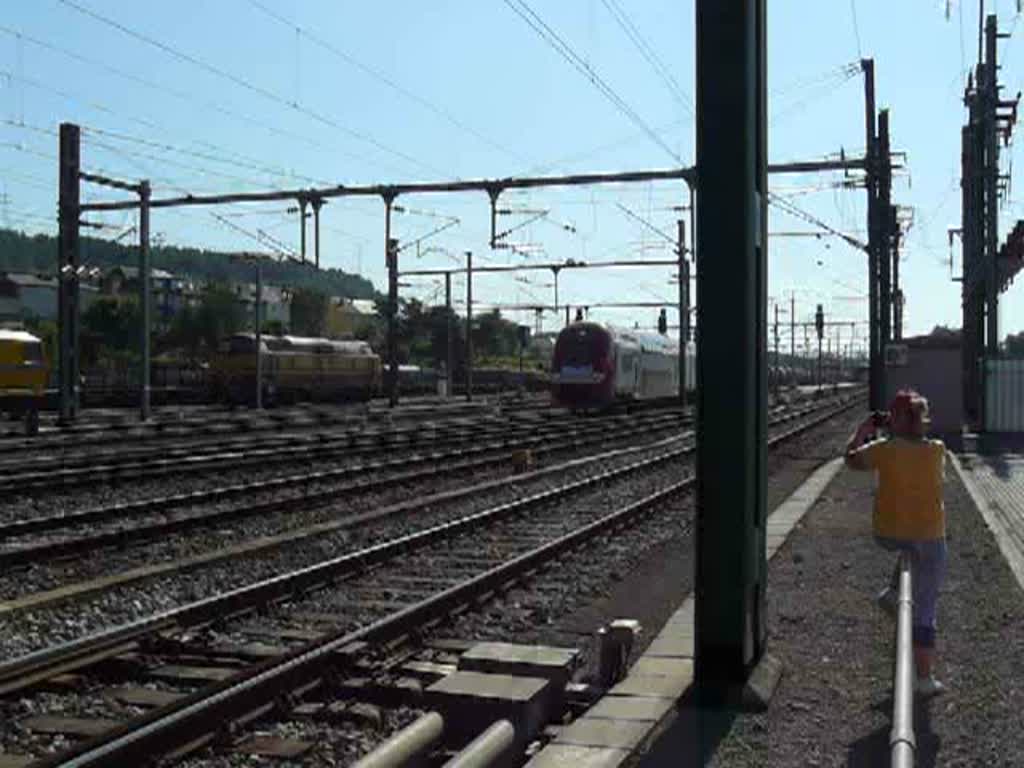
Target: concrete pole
x=145 y=296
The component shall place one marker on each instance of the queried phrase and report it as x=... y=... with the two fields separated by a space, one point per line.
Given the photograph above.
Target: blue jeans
x=927 y=568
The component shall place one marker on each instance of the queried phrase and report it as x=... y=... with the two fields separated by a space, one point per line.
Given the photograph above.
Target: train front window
x=580 y=348
x=33 y=351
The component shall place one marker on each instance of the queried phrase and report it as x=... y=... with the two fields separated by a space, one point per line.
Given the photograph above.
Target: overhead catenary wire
x=379 y=76
x=549 y=36
x=221 y=156
x=856 y=26
x=157 y=86
x=652 y=58
x=247 y=84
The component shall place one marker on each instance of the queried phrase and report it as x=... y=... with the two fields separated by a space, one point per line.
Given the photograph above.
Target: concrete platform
x=833 y=705
x=627 y=721
x=996 y=486
x=471 y=701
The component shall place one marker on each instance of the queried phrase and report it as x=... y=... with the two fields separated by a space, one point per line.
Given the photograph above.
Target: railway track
x=36 y=541
x=227 y=660
x=168 y=459
x=205 y=422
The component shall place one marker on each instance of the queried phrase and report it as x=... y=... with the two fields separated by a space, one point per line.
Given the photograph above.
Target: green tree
x=20 y=252
x=219 y=314
x=110 y=332
x=1015 y=344
x=308 y=312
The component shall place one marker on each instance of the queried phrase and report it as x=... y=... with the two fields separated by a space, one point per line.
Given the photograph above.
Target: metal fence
x=1004 y=395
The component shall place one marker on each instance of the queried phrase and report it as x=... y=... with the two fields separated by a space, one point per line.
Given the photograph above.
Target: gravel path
x=834 y=704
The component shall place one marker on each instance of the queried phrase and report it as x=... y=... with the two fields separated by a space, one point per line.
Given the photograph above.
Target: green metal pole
x=732 y=347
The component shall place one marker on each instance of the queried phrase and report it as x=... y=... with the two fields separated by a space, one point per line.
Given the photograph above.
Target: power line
x=623 y=20
x=151 y=84
x=221 y=157
x=856 y=28
x=376 y=74
x=246 y=84
x=255 y=166
x=552 y=38
x=793 y=210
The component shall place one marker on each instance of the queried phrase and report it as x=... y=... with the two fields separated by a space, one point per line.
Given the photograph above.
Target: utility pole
x=980 y=285
x=897 y=292
x=67 y=272
x=776 y=331
x=259 y=334
x=819 y=325
x=145 y=295
x=684 y=307
x=391 y=262
x=555 y=271
x=990 y=103
x=469 y=326
x=302 y=229
x=792 y=334
x=885 y=240
x=876 y=391
x=732 y=387
x=317 y=204
x=450 y=331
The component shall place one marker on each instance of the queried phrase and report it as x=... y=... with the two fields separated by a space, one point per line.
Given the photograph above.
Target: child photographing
x=908 y=513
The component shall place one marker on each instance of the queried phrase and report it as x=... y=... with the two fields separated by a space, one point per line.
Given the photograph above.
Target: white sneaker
x=887 y=601
x=928 y=686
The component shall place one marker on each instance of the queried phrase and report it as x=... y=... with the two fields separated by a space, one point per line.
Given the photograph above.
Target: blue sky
x=426 y=91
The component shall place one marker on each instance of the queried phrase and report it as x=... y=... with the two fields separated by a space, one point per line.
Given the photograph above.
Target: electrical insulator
x=819 y=321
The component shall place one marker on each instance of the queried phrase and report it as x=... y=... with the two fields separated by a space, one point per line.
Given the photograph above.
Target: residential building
x=347 y=317
x=25 y=296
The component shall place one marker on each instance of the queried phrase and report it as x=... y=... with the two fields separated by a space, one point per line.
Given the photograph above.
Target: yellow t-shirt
x=908 y=503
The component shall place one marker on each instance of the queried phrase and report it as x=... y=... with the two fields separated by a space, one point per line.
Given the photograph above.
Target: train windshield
x=581 y=347
x=33 y=351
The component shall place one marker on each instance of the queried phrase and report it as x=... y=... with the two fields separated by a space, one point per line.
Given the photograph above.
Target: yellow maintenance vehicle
x=23 y=376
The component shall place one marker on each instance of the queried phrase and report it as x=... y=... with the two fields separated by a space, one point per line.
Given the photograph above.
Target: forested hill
x=38 y=254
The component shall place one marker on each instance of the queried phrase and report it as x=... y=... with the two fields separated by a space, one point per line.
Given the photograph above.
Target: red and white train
x=594 y=366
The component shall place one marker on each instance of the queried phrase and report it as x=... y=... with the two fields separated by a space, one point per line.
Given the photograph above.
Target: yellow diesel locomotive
x=23 y=376
x=295 y=368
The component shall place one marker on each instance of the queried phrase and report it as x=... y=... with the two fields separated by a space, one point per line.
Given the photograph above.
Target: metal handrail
x=902 y=744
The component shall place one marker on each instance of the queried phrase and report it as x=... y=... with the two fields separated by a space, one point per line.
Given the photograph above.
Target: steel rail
x=902 y=743
x=508 y=439
x=461 y=461
x=221 y=424
x=195 y=719
x=21 y=672
x=302 y=580
x=351 y=442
